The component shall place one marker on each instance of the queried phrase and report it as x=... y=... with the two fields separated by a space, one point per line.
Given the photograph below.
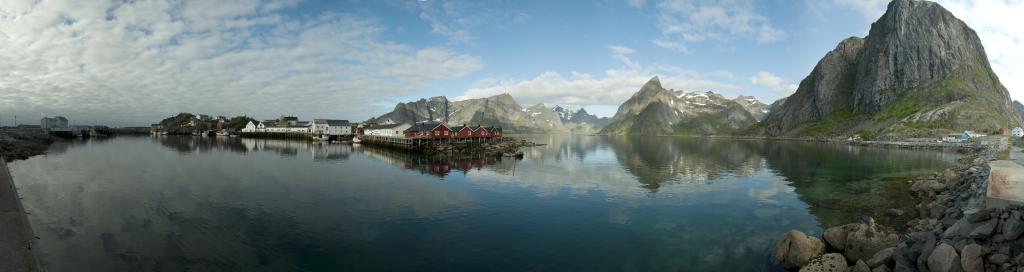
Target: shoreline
x=17 y=240
x=20 y=144
x=952 y=228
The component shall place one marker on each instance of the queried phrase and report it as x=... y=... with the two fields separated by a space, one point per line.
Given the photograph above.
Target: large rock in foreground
x=795 y=249
x=860 y=241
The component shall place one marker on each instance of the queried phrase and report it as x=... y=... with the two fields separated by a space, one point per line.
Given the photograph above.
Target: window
x=437 y=133
x=445 y=133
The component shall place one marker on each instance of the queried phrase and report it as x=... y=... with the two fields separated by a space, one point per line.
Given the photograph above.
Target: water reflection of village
x=439 y=166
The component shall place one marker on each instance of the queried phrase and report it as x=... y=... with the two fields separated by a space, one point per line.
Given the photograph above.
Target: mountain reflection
x=656 y=161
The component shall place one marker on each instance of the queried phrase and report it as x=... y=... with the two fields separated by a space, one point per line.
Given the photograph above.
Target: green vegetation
x=238 y=122
x=834 y=124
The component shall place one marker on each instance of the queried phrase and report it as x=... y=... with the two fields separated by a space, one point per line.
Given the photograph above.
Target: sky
x=132 y=63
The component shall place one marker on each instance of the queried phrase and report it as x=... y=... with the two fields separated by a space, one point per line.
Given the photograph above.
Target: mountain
x=1017 y=106
x=500 y=110
x=653 y=110
x=754 y=106
x=580 y=121
x=919 y=72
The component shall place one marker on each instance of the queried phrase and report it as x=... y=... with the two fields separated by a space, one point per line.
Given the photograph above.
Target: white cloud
x=136 y=62
x=683 y=21
x=724 y=74
x=677 y=46
x=609 y=91
x=622 y=53
x=774 y=83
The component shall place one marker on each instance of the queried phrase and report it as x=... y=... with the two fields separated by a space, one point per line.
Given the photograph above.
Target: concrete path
x=15 y=235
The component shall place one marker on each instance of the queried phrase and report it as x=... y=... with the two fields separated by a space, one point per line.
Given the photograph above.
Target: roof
x=458 y=128
x=333 y=123
x=389 y=126
x=423 y=126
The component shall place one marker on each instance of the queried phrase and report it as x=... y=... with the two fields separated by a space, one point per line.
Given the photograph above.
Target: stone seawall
x=16 y=238
x=954 y=229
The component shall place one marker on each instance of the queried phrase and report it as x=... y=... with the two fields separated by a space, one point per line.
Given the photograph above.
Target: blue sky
x=136 y=62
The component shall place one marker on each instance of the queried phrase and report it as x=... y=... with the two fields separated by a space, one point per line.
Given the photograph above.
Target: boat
x=322 y=138
x=356 y=140
x=222 y=133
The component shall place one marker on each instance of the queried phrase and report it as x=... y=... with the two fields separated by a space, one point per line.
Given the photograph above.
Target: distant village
x=331 y=130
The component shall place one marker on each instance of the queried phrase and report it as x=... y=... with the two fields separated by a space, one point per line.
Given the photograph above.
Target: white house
x=1017 y=132
x=973 y=134
x=391 y=130
x=58 y=122
x=253 y=126
x=330 y=127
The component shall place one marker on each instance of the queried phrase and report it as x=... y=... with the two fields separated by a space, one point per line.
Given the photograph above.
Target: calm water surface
x=578 y=203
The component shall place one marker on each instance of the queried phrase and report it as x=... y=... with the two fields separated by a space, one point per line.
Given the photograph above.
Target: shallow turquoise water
x=578 y=203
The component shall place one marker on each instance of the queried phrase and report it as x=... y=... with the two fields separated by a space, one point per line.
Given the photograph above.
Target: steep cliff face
x=919 y=72
x=1017 y=106
x=654 y=110
x=826 y=90
x=500 y=110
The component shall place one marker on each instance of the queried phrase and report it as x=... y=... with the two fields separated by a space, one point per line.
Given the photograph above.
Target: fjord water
x=577 y=203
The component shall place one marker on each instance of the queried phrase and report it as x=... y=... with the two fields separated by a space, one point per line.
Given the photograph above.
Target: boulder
x=958 y=229
x=882 y=257
x=860 y=266
x=977 y=214
x=881 y=269
x=998 y=258
x=794 y=249
x=971 y=258
x=1013 y=227
x=944 y=259
x=867 y=240
x=836 y=236
x=983 y=229
x=832 y=262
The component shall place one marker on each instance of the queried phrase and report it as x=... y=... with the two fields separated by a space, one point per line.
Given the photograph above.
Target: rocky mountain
x=754 y=106
x=919 y=72
x=653 y=110
x=500 y=110
x=1017 y=106
x=579 y=120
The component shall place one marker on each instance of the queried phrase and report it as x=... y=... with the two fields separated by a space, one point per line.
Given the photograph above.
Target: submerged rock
x=796 y=248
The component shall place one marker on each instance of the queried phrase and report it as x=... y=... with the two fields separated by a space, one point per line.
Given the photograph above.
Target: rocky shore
x=952 y=230
x=20 y=144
